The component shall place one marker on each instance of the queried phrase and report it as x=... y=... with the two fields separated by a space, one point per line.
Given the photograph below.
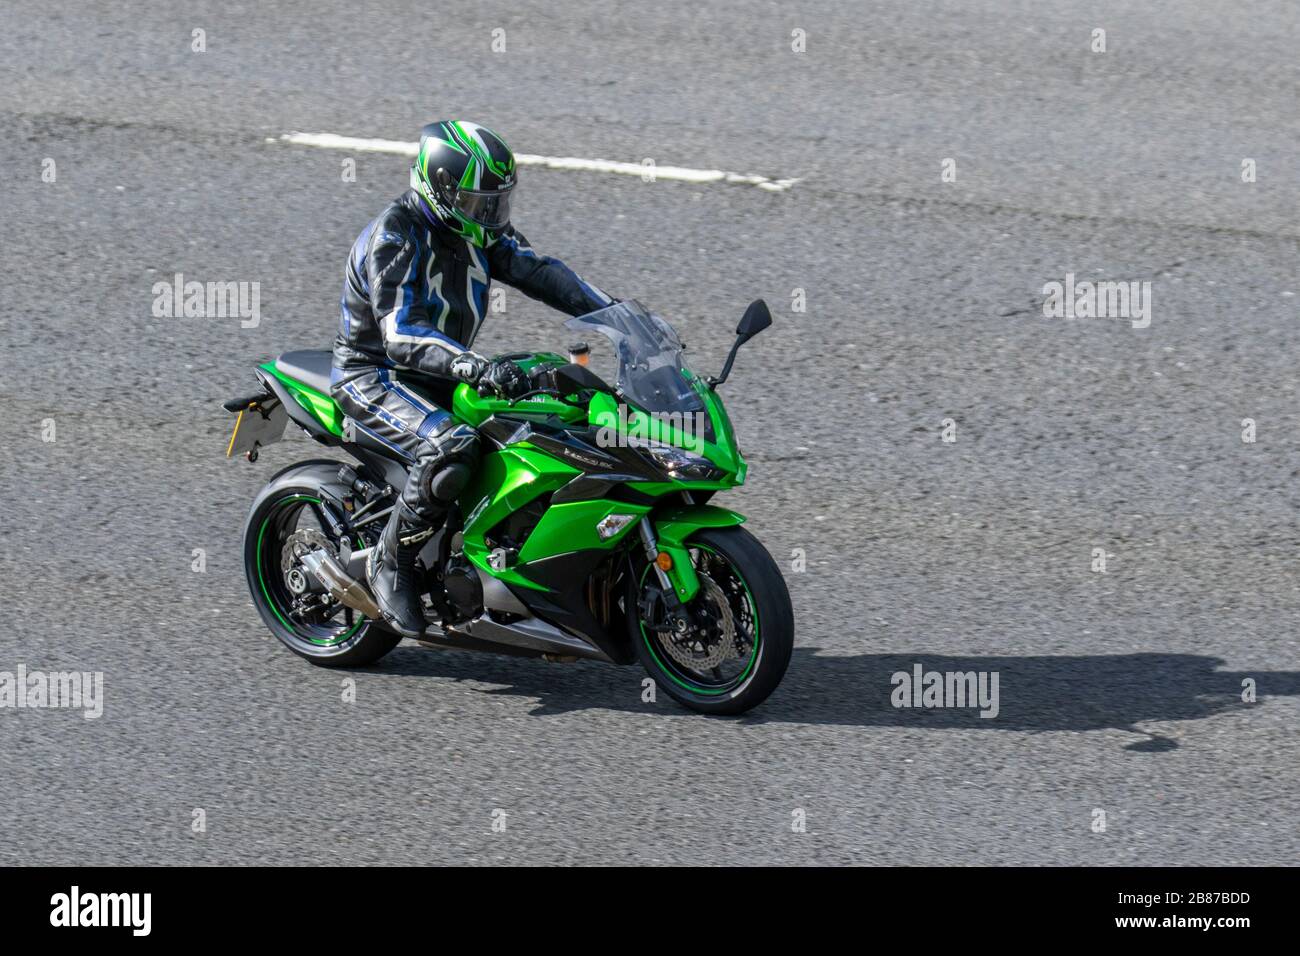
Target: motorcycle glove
x=468 y=367
x=500 y=376
x=505 y=378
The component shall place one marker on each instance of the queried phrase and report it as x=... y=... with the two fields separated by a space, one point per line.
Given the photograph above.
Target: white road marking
x=568 y=163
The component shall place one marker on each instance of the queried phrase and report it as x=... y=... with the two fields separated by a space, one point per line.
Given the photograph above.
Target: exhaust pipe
x=344 y=588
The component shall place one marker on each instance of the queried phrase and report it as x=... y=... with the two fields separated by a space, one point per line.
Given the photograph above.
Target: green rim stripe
x=267 y=594
x=753 y=655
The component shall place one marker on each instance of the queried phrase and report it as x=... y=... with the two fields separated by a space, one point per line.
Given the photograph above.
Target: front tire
x=291 y=503
x=743 y=593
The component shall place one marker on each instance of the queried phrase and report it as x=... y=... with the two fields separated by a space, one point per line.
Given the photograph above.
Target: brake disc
x=304 y=542
x=686 y=649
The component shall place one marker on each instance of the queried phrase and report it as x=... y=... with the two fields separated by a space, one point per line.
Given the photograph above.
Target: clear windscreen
x=647 y=356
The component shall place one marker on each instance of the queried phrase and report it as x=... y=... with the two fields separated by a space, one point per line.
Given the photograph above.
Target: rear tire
x=770 y=619
x=350 y=641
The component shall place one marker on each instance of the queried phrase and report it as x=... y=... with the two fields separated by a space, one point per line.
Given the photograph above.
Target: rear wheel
x=734 y=650
x=288 y=520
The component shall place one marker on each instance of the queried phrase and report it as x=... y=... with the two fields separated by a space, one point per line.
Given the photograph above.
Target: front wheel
x=736 y=646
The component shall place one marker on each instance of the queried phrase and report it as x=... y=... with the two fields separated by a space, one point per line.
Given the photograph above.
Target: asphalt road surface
x=1121 y=692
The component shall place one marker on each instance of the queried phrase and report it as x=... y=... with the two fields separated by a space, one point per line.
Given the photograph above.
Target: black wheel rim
x=717 y=680
x=320 y=629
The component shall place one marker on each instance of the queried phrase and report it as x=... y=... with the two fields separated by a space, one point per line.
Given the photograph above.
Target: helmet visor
x=489 y=209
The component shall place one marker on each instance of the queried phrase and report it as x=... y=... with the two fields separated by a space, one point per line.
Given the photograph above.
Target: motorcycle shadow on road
x=1066 y=693
x=1061 y=693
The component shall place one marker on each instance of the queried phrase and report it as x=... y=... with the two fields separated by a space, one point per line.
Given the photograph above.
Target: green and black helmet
x=465 y=172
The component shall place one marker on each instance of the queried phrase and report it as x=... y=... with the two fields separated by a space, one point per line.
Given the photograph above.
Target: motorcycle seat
x=309 y=366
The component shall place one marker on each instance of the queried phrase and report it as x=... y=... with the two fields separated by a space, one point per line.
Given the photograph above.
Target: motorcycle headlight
x=680 y=464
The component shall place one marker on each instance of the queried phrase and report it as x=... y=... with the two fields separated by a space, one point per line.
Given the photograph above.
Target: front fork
x=667 y=534
x=679 y=581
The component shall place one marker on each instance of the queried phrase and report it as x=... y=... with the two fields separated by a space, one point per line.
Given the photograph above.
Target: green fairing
x=321 y=406
x=504 y=482
x=572 y=527
x=603 y=414
x=509 y=479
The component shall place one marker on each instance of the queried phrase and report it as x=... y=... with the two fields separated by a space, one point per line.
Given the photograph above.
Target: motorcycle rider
x=414 y=297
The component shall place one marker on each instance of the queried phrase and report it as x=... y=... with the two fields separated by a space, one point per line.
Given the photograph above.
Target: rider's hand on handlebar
x=468 y=367
x=491 y=377
x=504 y=378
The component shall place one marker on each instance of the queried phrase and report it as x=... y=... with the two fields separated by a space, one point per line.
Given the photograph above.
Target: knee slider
x=448 y=482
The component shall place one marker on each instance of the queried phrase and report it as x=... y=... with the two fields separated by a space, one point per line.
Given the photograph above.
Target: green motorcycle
x=586 y=532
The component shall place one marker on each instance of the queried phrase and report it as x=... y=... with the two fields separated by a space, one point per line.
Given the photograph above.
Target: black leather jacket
x=416 y=293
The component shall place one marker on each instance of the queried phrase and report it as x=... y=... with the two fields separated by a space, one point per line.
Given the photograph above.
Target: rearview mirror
x=756 y=318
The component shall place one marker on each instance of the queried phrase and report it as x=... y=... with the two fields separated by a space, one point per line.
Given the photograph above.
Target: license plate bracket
x=258 y=425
